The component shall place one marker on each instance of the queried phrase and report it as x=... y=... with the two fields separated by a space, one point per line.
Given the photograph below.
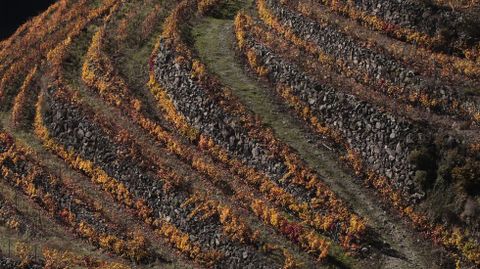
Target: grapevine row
x=16 y=70
x=23 y=111
x=47 y=190
x=57 y=259
x=20 y=38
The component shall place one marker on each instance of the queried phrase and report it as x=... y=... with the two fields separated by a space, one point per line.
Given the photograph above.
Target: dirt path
x=213 y=41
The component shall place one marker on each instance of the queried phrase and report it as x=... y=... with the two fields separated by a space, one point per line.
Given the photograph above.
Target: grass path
x=214 y=43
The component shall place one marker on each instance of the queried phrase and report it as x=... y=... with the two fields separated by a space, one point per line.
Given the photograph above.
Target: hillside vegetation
x=242 y=134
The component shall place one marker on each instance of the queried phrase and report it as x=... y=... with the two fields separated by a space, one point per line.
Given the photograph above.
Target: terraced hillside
x=241 y=134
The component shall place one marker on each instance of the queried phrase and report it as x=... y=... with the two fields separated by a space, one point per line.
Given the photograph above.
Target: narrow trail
x=214 y=41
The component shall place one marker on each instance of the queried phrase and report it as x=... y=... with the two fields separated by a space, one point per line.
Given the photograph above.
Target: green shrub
x=228 y=9
x=425 y=163
x=423 y=159
x=468 y=177
x=421 y=179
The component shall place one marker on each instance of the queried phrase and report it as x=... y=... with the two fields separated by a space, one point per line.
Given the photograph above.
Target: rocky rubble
x=62 y=196
x=71 y=127
x=378 y=65
x=421 y=16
